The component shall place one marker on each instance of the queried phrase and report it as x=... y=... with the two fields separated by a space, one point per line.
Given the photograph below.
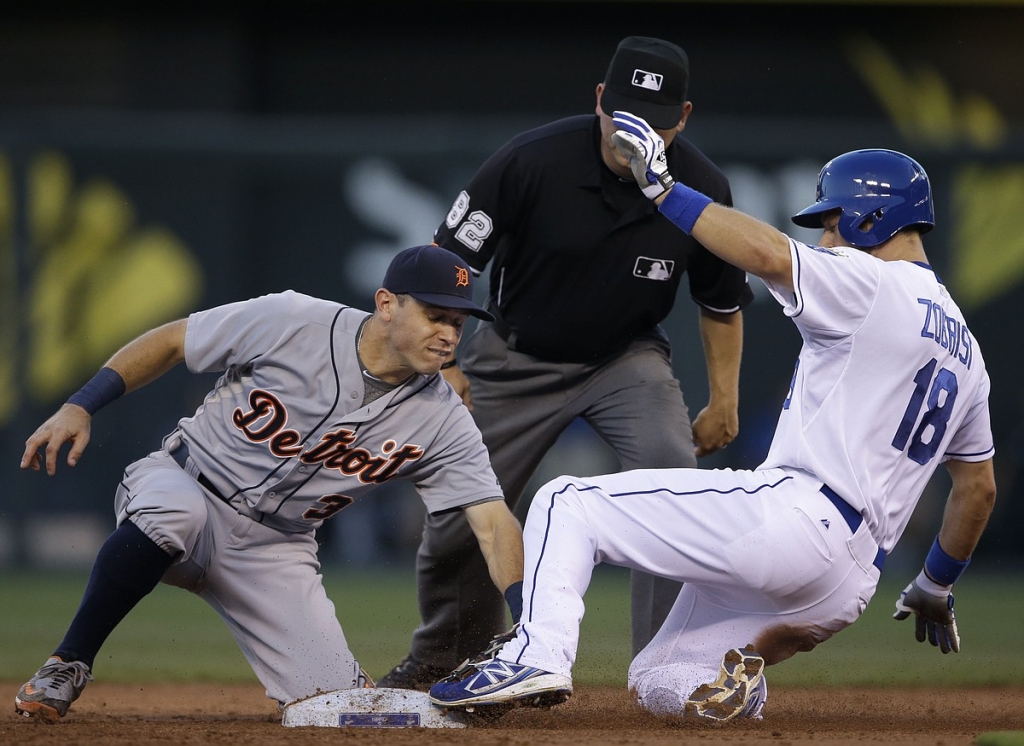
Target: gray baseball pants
x=522 y=405
x=265 y=584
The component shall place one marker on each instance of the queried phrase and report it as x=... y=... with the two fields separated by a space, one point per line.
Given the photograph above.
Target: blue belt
x=852 y=517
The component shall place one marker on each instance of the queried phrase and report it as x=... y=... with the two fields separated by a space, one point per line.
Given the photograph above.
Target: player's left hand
x=645 y=151
x=460 y=383
x=70 y=424
x=714 y=429
x=932 y=605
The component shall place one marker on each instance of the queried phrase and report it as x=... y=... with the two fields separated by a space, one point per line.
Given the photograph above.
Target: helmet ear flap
x=856 y=228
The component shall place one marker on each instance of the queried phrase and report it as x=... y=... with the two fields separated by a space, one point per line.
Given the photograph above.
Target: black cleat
x=412 y=674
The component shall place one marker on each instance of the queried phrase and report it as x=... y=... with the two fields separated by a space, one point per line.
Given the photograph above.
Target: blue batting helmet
x=887 y=188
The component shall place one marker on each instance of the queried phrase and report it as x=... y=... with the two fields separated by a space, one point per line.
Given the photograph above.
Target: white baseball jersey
x=888 y=384
x=285 y=429
x=874 y=425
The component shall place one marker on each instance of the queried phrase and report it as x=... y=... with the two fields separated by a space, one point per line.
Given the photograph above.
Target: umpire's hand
x=714 y=428
x=460 y=383
x=932 y=605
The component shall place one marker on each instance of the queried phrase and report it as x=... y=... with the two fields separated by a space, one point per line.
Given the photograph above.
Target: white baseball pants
x=765 y=557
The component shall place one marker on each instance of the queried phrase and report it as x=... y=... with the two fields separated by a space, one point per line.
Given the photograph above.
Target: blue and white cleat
x=739 y=692
x=497 y=682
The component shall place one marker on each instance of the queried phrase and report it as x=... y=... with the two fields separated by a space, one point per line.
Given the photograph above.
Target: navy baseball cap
x=436 y=276
x=647 y=77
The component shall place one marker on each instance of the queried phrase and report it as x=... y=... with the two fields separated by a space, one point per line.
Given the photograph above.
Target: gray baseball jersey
x=284 y=429
x=285 y=440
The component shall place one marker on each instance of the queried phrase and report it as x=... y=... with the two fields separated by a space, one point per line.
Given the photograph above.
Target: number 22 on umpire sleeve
x=941 y=393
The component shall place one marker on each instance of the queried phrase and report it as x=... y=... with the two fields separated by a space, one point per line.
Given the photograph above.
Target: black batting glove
x=932 y=605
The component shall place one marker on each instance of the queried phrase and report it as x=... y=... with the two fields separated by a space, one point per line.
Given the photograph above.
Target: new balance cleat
x=739 y=692
x=489 y=653
x=49 y=693
x=497 y=682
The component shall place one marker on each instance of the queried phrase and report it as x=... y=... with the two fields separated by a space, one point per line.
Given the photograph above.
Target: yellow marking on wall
x=922 y=105
x=988 y=232
x=97 y=280
x=8 y=295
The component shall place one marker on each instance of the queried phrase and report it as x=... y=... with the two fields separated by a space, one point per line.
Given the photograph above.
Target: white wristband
x=930 y=587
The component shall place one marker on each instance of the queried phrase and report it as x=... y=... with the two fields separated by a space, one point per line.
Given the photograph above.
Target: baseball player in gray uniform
x=318 y=403
x=889 y=383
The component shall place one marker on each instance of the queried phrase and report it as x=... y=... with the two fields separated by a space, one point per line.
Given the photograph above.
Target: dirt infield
x=218 y=714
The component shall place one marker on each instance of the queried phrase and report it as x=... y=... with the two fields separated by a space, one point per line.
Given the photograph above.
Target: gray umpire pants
x=522 y=405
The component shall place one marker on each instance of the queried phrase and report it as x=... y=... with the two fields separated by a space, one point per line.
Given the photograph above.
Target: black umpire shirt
x=583 y=262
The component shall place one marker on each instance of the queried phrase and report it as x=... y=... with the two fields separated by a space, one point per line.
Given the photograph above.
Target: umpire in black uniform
x=583 y=270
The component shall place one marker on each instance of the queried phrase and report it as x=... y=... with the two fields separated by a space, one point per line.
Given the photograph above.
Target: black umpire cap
x=647 y=77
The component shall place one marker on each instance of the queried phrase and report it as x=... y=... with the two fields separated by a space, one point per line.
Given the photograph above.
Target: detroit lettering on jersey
x=265 y=422
x=948 y=332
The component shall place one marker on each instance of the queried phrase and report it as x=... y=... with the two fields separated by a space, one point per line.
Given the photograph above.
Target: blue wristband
x=683 y=206
x=942 y=568
x=101 y=389
x=514 y=599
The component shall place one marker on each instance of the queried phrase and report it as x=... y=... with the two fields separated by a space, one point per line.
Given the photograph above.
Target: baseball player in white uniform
x=889 y=383
x=318 y=403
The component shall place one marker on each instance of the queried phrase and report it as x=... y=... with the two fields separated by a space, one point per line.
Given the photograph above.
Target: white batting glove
x=645 y=151
x=932 y=605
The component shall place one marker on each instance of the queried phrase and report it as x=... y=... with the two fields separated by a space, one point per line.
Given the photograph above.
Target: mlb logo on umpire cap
x=647 y=77
x=434 y=275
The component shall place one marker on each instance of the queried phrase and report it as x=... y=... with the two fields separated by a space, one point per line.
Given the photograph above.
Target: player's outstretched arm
x=929 y=597
x=968 y=507
x=149 y=356
x=501 y=542
x=739 y=239
x=133 y=366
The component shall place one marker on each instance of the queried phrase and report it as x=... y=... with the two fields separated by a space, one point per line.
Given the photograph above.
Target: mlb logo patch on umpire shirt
x=653 y=269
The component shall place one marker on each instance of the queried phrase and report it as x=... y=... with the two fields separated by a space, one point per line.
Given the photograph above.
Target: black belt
x=852 y=517
x=180 y=454
x=503 y=330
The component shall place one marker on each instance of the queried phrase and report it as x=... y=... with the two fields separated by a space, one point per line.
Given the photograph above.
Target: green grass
x=173 y=636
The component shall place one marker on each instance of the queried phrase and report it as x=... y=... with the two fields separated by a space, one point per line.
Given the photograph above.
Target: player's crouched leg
x=170 y=507
x=739 y=691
